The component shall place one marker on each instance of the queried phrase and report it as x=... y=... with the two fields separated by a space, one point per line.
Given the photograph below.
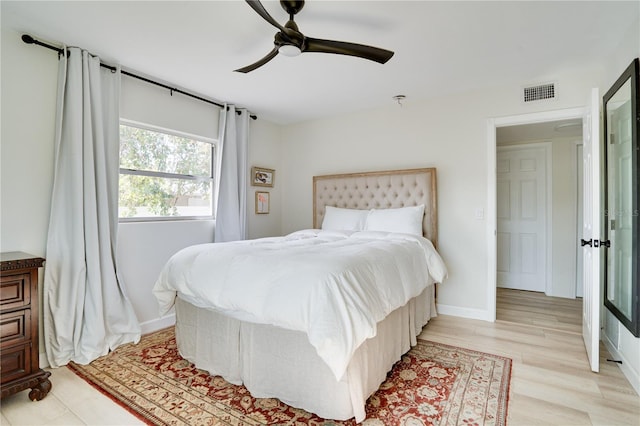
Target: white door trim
x=548 y=187
x=492 y=219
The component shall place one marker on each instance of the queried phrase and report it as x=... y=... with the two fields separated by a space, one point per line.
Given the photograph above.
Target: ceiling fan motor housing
x=292 y=6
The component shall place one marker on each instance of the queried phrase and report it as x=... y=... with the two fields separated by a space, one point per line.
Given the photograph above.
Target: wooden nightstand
x=19 y=354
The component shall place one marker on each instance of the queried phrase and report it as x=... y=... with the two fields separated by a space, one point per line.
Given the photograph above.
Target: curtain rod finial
x=28 y=39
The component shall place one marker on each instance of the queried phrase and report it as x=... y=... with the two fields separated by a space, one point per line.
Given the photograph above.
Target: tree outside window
x=164 y=175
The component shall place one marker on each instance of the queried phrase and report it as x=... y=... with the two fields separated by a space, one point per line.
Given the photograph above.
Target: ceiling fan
x=291 y=42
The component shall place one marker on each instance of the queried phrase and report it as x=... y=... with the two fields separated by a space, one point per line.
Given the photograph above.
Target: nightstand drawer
x=16 y=362
x=15 y=327
x=15 y=291
x=19 y=357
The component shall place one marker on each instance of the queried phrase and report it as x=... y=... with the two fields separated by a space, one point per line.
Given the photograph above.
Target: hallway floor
x=537 y=309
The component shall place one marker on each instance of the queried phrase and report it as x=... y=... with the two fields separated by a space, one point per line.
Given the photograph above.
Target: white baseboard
x=632 y=376
x=43 y=361
x=457 y=311
x=158 y=324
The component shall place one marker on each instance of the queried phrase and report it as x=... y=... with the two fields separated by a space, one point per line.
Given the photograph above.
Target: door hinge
x=586 y=243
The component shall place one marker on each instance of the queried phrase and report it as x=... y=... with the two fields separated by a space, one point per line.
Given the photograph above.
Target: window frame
x=167 y=175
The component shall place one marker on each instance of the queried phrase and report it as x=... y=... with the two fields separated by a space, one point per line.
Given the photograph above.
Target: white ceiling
x=440 y=47
x=539 y=131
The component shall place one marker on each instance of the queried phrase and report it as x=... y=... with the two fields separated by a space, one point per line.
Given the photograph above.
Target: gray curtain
x=231 y=211
x=86 y=310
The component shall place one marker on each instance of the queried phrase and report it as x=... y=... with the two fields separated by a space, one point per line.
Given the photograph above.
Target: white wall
x=150 y=104
x=265 y=151
x=448 y=133
x=28 y=107
x=143 y=249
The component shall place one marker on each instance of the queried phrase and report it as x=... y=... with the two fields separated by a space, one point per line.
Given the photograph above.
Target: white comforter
x=334 y=286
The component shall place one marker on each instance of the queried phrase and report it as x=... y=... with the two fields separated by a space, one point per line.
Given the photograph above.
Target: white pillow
x=407 y=220
x=339 y=219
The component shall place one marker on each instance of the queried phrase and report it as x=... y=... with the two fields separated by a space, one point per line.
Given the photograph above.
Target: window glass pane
x=146 y=196
x=157 y=173
x=142 y=149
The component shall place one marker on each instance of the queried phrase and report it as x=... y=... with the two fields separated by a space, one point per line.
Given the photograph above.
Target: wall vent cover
x=540 y=92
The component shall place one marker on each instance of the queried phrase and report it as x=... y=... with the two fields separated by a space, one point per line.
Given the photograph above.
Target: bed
x=295 y=357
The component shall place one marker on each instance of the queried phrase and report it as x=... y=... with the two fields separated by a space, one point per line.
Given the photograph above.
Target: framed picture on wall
x=262 y=177
x=262 y=202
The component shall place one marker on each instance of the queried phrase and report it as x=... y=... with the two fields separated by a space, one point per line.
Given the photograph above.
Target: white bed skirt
x=273 y=362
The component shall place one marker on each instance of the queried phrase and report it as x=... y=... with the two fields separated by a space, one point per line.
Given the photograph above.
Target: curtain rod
x=30 y=40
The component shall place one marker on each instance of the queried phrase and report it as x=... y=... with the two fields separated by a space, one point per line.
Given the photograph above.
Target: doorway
x=561 y=130
x=534 y=287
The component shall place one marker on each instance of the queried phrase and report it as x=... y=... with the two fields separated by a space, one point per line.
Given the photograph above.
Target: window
x=164 y=175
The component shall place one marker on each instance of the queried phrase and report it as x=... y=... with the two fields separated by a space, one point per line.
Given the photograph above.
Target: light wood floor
x=551 y=382
x=538 y=309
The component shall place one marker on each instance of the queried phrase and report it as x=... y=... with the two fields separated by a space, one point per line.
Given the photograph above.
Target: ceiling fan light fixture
x=289 y=50
x=290 y=41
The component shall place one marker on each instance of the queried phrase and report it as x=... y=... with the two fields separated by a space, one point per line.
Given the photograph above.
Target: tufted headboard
x=379 y=190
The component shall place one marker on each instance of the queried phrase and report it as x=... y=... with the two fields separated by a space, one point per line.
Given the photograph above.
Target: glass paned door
x=619 y=200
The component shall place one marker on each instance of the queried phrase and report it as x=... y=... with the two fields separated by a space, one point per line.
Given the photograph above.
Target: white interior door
x=579 y=219
x=591 y=230
x=521 y=218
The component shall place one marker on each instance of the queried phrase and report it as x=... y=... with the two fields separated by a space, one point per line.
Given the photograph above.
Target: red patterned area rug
x=433 y=384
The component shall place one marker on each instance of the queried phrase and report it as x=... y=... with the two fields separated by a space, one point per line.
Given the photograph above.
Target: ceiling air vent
x=540 y=92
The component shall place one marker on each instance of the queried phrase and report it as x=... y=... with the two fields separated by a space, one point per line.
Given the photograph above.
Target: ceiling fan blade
x=260 y=63
x=258 y=7
x=345 y=48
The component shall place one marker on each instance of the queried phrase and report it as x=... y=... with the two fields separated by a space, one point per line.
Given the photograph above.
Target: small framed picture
x=262 y=177
x=262 y=202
